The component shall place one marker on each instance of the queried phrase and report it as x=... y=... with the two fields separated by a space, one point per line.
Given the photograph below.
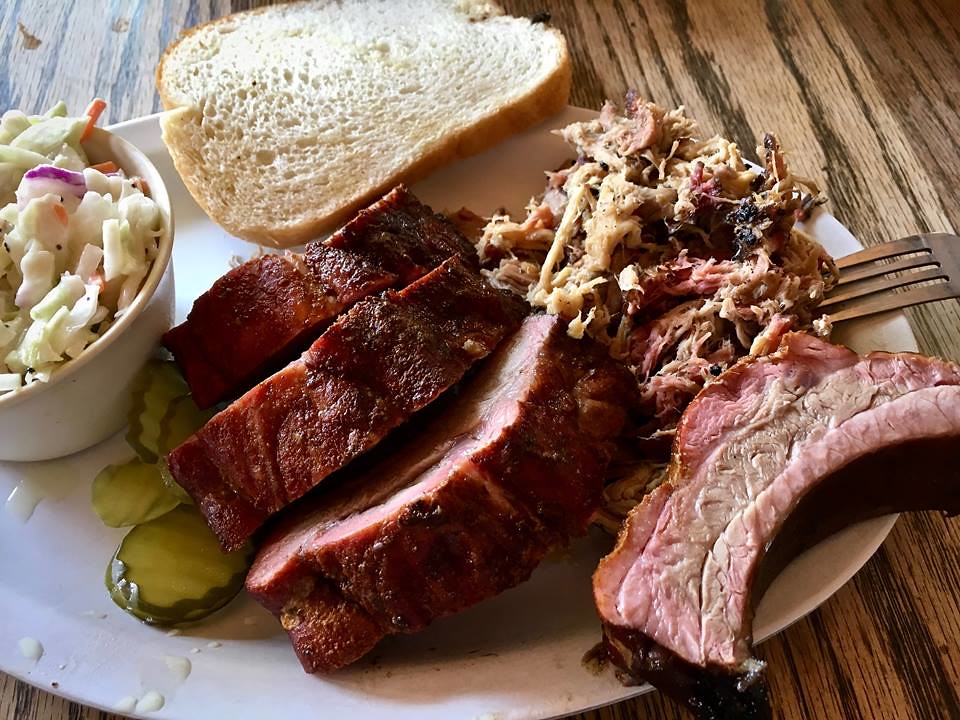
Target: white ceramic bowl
x=87 y=398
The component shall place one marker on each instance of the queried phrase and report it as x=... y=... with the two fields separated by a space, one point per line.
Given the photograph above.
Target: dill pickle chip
x=156 y=386
x=171 y=570
x=131 y=493
x=163 y=413
x=172 y=485
x=182 y=419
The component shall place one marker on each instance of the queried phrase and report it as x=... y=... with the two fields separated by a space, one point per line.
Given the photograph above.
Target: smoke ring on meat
x=779 y=452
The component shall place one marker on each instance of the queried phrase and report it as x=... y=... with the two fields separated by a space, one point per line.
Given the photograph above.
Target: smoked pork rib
x=260 y=314
x=466 y=509
x=378 y=364
x=780 y=451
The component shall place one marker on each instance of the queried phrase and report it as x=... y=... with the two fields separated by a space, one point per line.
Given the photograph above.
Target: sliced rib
x=464 y=510
x=261 y=314
x=780 y=451
x=378 y=364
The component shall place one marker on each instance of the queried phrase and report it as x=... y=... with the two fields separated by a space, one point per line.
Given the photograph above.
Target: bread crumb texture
x=289 y=118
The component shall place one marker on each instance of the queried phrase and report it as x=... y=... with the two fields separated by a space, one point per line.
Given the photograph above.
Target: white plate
x=517 y=656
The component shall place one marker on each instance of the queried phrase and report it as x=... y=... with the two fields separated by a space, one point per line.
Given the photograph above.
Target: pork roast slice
x=465 y=509
x=802 y=441
x=379 y=363
x=261 y=314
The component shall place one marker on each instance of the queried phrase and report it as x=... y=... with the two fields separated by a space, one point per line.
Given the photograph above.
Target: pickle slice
x=171 y=570
x=163 y=414
x=182 y=419
x=172 y=485
x=131 y=493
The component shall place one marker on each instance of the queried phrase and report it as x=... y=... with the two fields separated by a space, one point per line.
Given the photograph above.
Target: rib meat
x=260 y=314
x=801 y=443
x=466 y=509
x=378 y=364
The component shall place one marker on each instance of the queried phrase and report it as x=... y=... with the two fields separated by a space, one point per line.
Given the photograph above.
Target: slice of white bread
x=284 y=121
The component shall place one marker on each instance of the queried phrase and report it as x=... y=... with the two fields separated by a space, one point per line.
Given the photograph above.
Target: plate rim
x=142 y=123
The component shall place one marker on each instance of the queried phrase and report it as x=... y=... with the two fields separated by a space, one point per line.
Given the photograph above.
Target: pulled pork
x=670 y=250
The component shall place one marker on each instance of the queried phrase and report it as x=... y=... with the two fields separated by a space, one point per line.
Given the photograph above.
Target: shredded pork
x=670 y=250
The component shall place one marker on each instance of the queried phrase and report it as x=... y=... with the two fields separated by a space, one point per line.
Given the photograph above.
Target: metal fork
x=866 y=284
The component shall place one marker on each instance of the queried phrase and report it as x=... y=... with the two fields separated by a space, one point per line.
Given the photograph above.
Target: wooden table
x=866 y=96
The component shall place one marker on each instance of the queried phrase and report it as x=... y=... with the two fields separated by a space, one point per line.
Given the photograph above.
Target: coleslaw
x=76 y=242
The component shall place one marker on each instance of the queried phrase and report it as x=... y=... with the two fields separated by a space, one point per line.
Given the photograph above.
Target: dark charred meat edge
x=462 y=511
x=663 y=244
x=918 y=473
x=712 y=693
x=379 y=363
x=258 y=316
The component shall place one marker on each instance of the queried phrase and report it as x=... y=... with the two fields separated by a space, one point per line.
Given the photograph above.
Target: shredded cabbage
x=71 y=261
x=115 y=186
x=12 y=123
x=66 y=293
x=89 y=261
x=29 y=141
x=50 y=135
x=37 y=349
x=122 y=251
x=87 y=221
x=37 y=267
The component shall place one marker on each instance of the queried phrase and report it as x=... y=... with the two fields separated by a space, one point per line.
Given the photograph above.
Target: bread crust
x=547 y=99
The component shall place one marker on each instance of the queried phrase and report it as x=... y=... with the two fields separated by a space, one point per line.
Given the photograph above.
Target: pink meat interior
x=748 y=450
x=488 y=409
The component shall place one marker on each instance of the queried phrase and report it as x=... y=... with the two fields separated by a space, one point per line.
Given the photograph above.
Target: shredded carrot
x=105 y=167
x=61 y=213
x=94 y=110
x=142 y=186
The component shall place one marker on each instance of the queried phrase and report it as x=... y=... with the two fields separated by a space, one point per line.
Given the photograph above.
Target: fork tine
x=869 y=287
x=914 y=243
x=867 y=271
x=894 y=301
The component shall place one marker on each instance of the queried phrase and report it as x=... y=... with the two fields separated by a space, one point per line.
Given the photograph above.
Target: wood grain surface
x=865 y=95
